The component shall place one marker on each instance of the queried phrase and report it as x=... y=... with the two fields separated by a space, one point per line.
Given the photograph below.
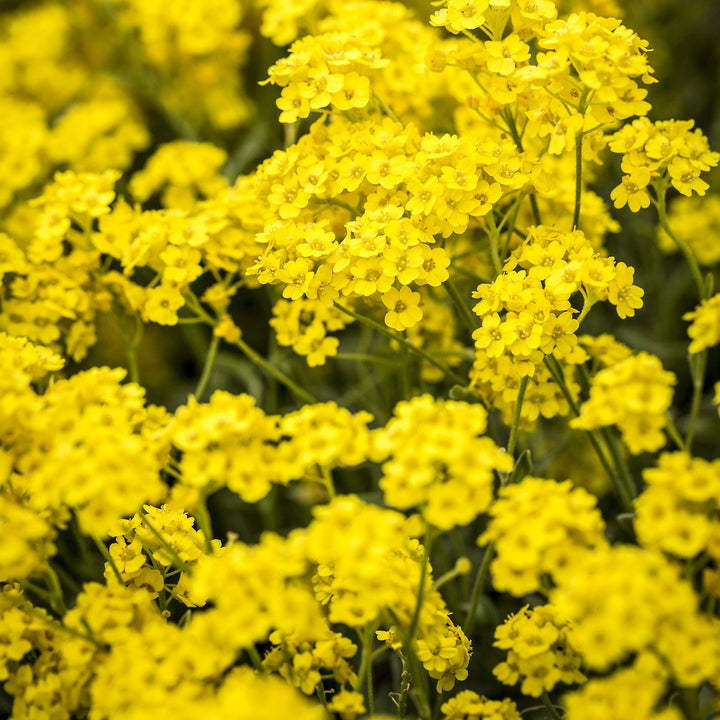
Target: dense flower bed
x=399 y=421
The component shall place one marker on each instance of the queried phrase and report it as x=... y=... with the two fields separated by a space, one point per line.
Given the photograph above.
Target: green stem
x=328 y=482
x=109 y=558
x=37 y=590
x=399 y=338
x=673 y=432
x=681 y=244
x=468 y=319
x=56 y=625
x=130 y=349
x=617 y=456
x=558 y=376
x=421 y=585
x=252 y=355
x=698 y=366
x=512 y=127
x=385 y=107
x=207 y=367
x=203 y=518
x=256 y=660
x=320 y=694
x=578 y=162
x=494 y=237
x=271 y=370
x=368 y=651
x=366 y=357
x=549 y=706
x=477 y=588
x=405 y=678
x=516 y=415
x=179 y=562
x=56 y=593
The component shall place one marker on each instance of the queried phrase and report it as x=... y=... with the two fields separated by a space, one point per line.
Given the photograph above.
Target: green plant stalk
x=512 y=440
x=494 y=236
x=207 y=367
x=673 y=432
x=421 y=585
x=698 y=366
x=469 y=320
x=578 y=162
x=55 y=589
x=320 y=694
x=405 y=372
x=549 y=706
x=612 y=443
x=478 y=587
x=109 y=558
x=254 y=356
x=130 y=349
x=274 y=372
x=179 y=562
x=256 y=660
x=367 y=651
x=203 y=518
x=615 y=480
x=327 y=481
x=404 y=690
x=681 y=244
x=399 y=338
x=512 y=127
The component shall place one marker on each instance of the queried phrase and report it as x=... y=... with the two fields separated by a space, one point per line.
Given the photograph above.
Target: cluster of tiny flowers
x=197 y=52
x=623 y=600
x=540 y=651
x=57 y=444
x=559 y=522
x=633 y=394
x=50 y=294
x=705 y=329
x=436 y=459
x=527 y=315
x=304 y=325
x=354 y=210
x=585 y=76
x=321 y=70
x=658 y=154
x=468 y=705
x=677 y=510
x=182 y=172
x=425 y=209
x=637 y=691
x=229 y=441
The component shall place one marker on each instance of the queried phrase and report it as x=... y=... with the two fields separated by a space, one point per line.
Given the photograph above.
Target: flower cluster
x=633 y=394
x=561 y=522
x=637 y=691
x=321 y=70
x=468 y=705
x=705 y=329
x=677 y=511
x=436 y=459
x=623 y=600
x=527 y=314
x=231 y=442
x=420 y=237
x=540 y=651
x=660 y=154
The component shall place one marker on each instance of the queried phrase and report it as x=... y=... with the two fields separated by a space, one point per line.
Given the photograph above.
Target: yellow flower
x=403 y=308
